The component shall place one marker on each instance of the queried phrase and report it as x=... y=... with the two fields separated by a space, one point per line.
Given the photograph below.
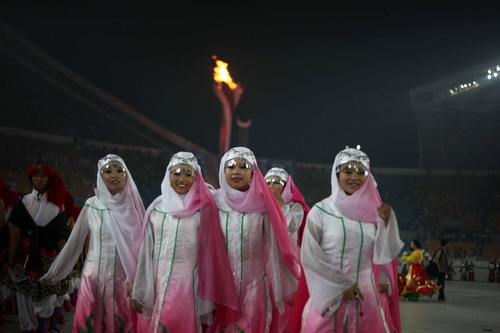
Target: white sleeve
x=66 y=260
x=144 y=288
x=294 y=216
x=326 y=282
x=283 y=282
x=387 y=241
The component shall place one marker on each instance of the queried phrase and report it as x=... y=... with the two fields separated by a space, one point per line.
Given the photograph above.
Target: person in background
x=417 y=282
x=37 y=232
x=291 y=201
x=442 y=263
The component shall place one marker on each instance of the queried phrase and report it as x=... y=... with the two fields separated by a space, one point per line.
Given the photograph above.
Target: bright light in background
x=492 y=73
x=221 y=74
x=463 y=87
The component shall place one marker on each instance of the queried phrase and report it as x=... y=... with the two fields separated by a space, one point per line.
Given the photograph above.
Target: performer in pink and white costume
x=290 y=199
x=345 y=235
x=263 y=258
x=183 y=271
x=115 y=223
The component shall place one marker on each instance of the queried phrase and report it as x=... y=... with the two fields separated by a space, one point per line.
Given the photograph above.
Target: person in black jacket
x=443 y=266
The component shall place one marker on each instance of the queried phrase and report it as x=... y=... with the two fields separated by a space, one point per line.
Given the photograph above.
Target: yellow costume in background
x=415 y=256
x=417 y=282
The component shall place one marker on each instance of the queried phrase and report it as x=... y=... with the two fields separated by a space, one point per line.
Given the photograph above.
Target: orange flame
x=221 y=74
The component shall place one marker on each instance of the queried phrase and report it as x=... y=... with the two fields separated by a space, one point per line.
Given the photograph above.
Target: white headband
x=110 y=158
x=183 y=157
x=277 y=172
x=351 y=155
x=239 y=152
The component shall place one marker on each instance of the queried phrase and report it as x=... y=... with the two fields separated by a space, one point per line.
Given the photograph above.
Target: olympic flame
x=229 y=93
x=221 y=74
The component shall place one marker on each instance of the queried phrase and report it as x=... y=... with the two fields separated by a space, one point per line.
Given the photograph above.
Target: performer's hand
x=71 y=223
x=278 y=196
x=136 y=306
x=353 y=293
x=384 y=211
x=129 y=289
x=383 y=287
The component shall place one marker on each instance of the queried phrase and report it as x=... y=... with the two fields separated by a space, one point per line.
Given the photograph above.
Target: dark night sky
x=317 y=77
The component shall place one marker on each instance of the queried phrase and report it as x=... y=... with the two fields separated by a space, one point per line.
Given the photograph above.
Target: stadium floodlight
x=464 y=87
x=484 y=75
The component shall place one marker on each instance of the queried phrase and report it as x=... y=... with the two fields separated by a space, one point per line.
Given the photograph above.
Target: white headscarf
x=344 y=156
x=244 y=201
x=283 y=175
x=277 y=172
x=362 y=205
x=126 y=212
x=170 y=201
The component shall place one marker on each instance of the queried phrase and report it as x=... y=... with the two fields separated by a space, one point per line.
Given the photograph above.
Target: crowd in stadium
x=422 y=202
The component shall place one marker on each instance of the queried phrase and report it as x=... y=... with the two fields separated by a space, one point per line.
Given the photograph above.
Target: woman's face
x=182 y=177
x=238 y=174
x=40 y=181
x=276 y=183
x=412 y=245
x=114 y=176
x=351 y=178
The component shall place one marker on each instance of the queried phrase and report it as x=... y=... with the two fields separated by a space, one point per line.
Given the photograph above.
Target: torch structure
x=243 y=129
x=229 y=94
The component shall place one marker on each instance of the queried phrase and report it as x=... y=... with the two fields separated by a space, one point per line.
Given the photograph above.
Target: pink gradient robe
x=172 y=243
x=103 y=305
x=336 y=253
